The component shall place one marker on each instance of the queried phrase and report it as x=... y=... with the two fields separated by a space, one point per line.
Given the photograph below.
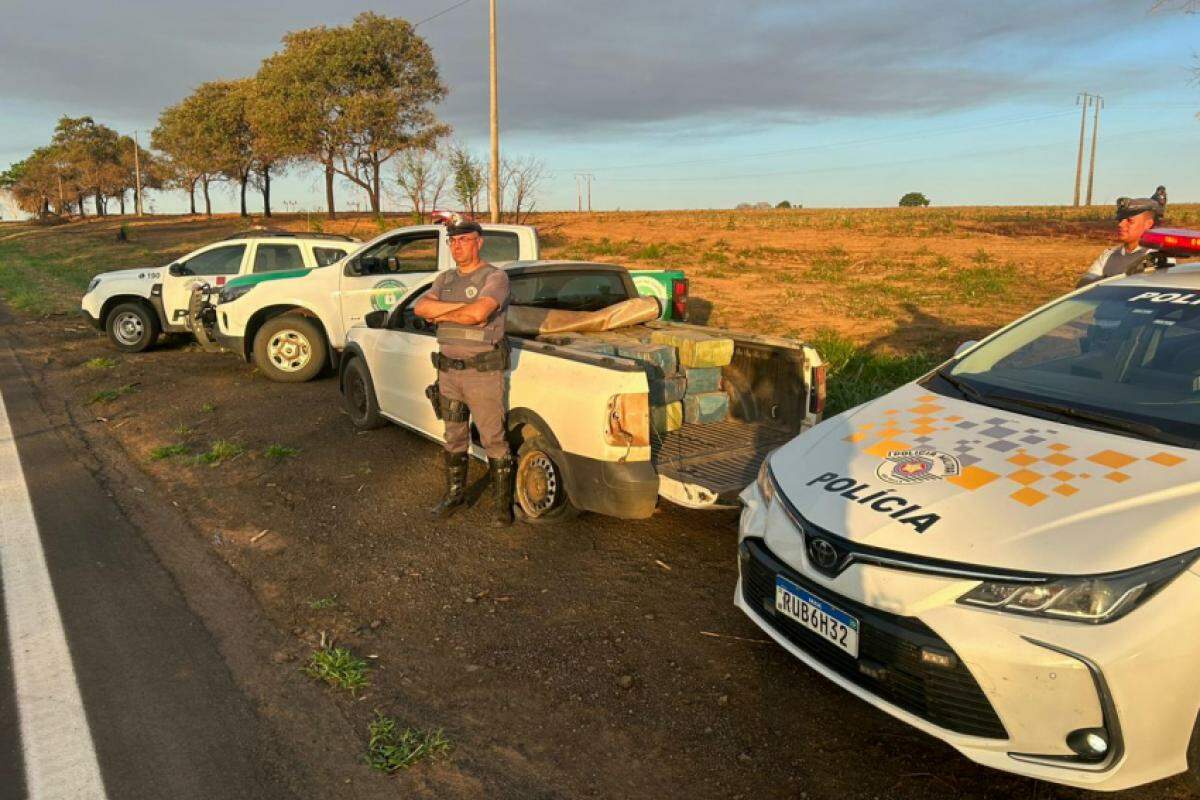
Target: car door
x=376 y=278
x=403 y=367
x=214 y=265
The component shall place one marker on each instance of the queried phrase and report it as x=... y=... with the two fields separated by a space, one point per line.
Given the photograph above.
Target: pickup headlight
x=91 y=286
x=1096 y=599
x=766 y=484
x=230 y=293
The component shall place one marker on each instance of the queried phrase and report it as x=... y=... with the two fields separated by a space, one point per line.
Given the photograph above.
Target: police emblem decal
x=471 y=292
x=386 y=293
x=918 y=466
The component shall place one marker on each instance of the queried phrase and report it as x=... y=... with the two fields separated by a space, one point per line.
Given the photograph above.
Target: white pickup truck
x=291 y=324
x=579 y=422
x=134 y=306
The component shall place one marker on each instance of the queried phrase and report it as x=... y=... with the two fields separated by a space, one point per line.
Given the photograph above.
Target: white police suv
x=1004 y=553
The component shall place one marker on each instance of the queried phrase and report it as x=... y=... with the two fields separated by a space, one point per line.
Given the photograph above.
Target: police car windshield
x=1127 y=355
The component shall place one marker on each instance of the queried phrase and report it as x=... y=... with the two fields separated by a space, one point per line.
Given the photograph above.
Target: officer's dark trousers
x=483 y=392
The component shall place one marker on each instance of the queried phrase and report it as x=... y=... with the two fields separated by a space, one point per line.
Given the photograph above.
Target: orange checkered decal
x=1040 y=468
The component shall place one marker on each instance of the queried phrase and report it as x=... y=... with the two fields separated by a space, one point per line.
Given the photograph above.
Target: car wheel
x=539 y=491
x=358 y=396
x=290 y=349
x=132 y=327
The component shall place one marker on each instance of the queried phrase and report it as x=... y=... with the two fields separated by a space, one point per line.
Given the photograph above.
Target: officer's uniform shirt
x=454 y=286
x=1115 y=261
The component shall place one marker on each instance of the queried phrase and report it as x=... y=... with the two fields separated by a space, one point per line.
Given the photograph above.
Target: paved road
x=109 y=685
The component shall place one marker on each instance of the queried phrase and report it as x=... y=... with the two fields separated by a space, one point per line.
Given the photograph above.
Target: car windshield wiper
x=1144 y=430
x=965 y=389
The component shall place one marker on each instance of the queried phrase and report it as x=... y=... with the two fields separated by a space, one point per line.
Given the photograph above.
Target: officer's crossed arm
x=474 y=313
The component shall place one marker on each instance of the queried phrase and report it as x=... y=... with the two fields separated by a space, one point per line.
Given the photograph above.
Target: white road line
x=60 y=759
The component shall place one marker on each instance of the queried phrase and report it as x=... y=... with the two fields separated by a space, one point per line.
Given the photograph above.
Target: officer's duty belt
x=483 y=362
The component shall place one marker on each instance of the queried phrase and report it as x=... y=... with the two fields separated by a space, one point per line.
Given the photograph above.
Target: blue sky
x=695 y=104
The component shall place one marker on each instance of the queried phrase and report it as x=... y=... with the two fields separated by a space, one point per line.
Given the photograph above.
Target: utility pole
x=494 y=193
x=1085 y=98
x=137 y=177
x=583 y=179
x=1098 y=101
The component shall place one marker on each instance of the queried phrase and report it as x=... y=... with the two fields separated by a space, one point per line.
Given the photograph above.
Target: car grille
x=889 y=649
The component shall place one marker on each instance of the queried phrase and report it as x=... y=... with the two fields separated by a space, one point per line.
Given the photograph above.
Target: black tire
x=539 y=488
x=290 y=349
x=358 y=396
x=132 y=327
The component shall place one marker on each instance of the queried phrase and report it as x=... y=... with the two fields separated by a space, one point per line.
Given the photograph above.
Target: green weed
x=183 y=430
x=100 y=363
x=857 y=375
x=985 y=283
x=221 y=450
x=390 y=749
x=322 y=603
x=166 y=451
x=108 y=395
x=279 y=452
x=208 y=408
x=339 y=668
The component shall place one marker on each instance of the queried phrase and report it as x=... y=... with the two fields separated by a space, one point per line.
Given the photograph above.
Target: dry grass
x=899 y=280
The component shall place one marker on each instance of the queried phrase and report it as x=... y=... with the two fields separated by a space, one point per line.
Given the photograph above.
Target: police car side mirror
x=376 y=319
x=964 y=347
x=178 y=270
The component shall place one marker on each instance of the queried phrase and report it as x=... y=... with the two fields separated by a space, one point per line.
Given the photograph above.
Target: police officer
x=467 y=304
x=1135 y=216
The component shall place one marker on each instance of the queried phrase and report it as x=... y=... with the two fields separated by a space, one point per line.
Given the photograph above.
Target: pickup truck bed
x=722 y=457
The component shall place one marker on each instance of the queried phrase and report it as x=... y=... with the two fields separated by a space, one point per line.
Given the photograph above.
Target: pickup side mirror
x=376 y=319
x=964 y=347
x=353 y=268
x=179 y=270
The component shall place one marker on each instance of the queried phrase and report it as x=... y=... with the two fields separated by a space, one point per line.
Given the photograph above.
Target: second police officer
x=467 y=304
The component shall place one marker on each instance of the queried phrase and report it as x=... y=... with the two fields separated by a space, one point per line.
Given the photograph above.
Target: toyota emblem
x=823 y=553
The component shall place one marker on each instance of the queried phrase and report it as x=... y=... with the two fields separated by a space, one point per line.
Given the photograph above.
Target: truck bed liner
x=723 y=457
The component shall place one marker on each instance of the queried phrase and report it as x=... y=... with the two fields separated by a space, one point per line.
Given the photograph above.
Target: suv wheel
x=132 y=327
x=290 y=349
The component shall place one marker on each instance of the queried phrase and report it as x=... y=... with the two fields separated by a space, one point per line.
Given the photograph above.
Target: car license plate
x=825 y=620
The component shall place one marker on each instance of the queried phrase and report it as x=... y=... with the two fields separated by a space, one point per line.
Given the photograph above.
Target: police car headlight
x=92 y=286
x=766 y=483
x=230 y=293
x=1096 y=599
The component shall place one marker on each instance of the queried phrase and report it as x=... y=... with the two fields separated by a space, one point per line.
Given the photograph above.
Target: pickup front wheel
x=132 y=327
x=290 y=349
x=539 y=489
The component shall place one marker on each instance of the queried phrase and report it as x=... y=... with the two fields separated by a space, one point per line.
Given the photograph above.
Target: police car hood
x=139 y=274
x=928 y=475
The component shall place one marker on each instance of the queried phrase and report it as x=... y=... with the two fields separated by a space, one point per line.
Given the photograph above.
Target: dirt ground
x=598 y=658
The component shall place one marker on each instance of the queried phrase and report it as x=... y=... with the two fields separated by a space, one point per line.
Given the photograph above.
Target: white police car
x=1003 y=554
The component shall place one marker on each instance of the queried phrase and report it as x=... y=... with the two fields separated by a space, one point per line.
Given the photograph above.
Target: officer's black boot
x=502 y=489
x=456 y=485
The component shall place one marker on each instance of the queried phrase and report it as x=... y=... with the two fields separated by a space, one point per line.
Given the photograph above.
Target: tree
x=467 y=180
x=421 y=176
x=192 y=142
x=351 y=98
x=522 y=180
x=783 y=204
x=913 y=199
x=90 y=154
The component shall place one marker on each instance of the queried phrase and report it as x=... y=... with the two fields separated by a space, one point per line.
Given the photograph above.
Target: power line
x=885 y=164
x=843 y=143
x=440 y=13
